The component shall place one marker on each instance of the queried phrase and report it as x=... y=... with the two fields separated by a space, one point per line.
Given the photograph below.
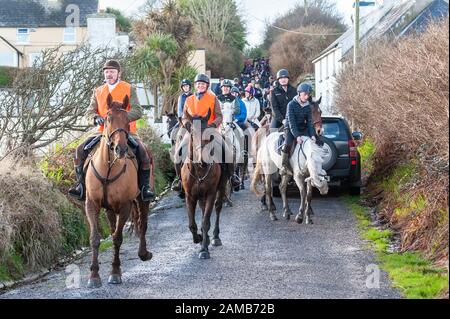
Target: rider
x=198 y=105
x=253 y=107
x=299 y=122
x=96 y=114
x=241 y=118
x=186 y=87
x=227 y=97
x=281 y=95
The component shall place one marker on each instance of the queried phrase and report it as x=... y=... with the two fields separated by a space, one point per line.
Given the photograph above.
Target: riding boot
x=285 y=156
x=177 y=185
x=144 y=181
x=78 y=190
x=235 y=180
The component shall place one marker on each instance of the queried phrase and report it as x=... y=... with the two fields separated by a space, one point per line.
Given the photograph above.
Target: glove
x=299 y=140
x=99 y=121
x=320 y=142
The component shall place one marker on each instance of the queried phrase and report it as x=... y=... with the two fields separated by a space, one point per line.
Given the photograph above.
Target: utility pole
x=356 y=26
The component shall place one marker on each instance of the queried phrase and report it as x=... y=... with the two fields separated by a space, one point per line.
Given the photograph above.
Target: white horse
x=306 y=162
x=233 y=136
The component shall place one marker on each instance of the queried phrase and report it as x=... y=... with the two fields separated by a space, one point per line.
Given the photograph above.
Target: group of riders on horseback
x=210 y=146
x=289 y=108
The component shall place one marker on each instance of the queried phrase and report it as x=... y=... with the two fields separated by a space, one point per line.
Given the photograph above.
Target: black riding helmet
x=227 y=83
x=186 y=82
x=202 y=78
x=283 y=73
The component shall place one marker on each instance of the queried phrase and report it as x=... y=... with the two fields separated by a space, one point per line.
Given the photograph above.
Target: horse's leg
x=92 y=213
x=111 y=221
x=143 y=253
x=269 y=199
x=191 y=206
x=116 y=274
x=308 y=209
x=206 y=225
x=283 y=190
x=301 y=186
x=228 y=192
x=216 y=241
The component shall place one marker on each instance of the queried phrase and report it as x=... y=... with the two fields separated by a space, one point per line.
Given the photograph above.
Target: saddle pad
x=279 y=145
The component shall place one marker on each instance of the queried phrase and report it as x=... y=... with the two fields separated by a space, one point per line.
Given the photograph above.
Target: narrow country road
x=259 y=258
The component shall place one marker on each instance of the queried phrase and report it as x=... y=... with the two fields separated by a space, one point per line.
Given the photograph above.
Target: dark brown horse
x=112 y=183
x=204 y=184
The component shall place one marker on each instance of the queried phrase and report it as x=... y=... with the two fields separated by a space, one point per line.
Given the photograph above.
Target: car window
x=331 y=130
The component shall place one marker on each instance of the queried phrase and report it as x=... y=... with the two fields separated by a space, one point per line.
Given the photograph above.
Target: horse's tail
x=258 y=175
x=135 y=218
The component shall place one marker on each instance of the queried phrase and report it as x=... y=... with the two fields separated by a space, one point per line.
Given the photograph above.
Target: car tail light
x=353 y=151
x=354 y=162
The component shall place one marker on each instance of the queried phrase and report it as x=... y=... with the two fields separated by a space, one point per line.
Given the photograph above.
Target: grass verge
x=410 y=272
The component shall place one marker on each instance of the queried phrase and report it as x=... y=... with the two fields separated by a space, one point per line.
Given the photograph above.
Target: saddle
x=281 y=142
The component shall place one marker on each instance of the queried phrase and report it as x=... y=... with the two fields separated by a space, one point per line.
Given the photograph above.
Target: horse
x=234 y=136
x=112 y=183
x=307 y=168
x=204 y=184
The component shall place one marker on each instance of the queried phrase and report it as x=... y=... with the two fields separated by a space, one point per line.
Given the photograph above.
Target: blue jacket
x=299 y=119
x=242 y=116
x=181 y=102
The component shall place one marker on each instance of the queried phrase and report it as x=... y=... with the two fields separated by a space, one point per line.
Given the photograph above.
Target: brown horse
x=204 y=184
x=111 y=183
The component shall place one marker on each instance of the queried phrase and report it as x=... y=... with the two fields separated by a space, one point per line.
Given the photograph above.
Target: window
x=8 y=59
x=23 y=36
x=331 y=130
x=70 y=35
x=34 y=58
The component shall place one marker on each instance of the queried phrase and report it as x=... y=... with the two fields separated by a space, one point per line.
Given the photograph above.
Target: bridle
x=107 y=180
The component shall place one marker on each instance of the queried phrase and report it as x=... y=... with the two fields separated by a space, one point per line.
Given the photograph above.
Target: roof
x=43 y=13
x=390 y=20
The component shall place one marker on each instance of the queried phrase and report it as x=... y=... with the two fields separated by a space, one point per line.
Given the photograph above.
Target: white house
x=388 y=19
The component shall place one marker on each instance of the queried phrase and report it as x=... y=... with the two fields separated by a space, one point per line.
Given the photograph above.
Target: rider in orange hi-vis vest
x=96 y=114
x=200 y=104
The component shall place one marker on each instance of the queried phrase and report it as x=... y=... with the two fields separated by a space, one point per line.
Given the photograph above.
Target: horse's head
x=117 y=126
x=317 y=116
x=317 y=174
x=228 y=113
x=198 y=139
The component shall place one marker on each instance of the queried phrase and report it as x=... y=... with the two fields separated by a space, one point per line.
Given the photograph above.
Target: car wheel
x=330 y=153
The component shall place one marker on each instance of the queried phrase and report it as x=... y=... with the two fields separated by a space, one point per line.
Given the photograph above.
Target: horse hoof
x=299 y=220
x=198 y=239
x=273 y=217
x=94 y=283
x=309 y=222
x=115 y=280
x=264 y=208
x=287 y=216
x=242 y=187
x=237 y=189
x=216 y=242
x=146 y=257
x=203 y=255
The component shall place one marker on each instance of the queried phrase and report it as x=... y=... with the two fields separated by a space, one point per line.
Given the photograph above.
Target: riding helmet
x=186 y=82
x=111 y=64
x=227 y=83
x=202 y=78
x=283 y=73
x=305 y=88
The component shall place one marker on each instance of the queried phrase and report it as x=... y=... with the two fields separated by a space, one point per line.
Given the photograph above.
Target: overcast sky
x=262 y=9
